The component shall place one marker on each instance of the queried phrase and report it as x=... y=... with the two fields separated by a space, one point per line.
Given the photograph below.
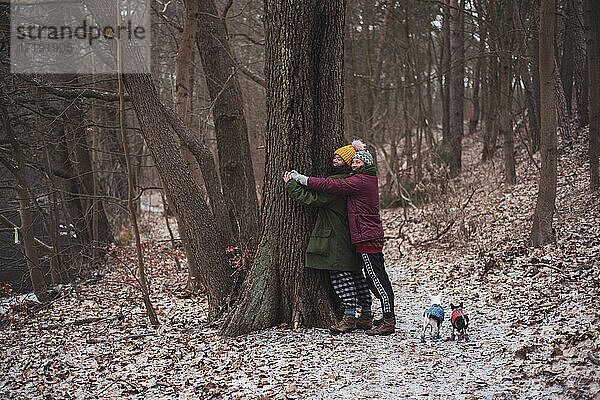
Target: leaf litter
x=534 y=314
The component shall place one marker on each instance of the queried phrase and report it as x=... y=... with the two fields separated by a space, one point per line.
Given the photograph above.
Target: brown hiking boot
x=347 y=324
x=377 y=322
x=386 y=328
x=365 y=321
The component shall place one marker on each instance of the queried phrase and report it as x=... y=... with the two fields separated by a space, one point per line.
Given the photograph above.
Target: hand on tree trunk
x=301 y=179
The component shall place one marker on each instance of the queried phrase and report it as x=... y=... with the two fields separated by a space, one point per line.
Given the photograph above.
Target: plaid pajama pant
x=352 y=288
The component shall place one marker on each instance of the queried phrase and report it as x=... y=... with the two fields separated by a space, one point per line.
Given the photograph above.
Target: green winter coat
x=329 y=246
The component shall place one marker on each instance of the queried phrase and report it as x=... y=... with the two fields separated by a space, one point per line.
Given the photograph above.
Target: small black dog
x=460 y=322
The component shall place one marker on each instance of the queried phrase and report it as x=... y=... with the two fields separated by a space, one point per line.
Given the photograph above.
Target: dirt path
x=401 y=367
x=314 y=364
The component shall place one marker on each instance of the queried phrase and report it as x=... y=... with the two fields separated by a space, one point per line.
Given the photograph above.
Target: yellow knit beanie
x=348 y=151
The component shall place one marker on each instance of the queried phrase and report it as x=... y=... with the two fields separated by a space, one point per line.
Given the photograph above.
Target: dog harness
x=435 y=311
x=458 y=312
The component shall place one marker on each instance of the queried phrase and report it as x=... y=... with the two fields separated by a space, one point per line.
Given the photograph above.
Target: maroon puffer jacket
x=363 y=203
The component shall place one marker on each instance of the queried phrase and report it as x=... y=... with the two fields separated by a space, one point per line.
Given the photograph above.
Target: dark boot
x=365 y=321
x=386 y=328
x=347 y=324
x=377 y=322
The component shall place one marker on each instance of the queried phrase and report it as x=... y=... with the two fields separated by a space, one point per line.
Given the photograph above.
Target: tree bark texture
x=564 y=126
x=183 y=61
x=477 y=81
x=190 y=139
x=542 y=232
x=530 y=98
x=566 y=63
x=446 y=63
x=592 y=34
x=303 y=67
x=534 y=48
x=505 y=121
x=492 y=93
x=195 y=221
x=581 y=73
x=235 y=162
x=141 y=272
x=504 y=51
x=26 y=230
x=457 y=85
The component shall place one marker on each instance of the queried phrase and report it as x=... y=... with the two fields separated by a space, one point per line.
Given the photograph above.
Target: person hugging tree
x=330 y=248
x=366 y=230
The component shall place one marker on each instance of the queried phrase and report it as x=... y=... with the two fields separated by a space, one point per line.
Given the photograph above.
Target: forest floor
x=534 y=313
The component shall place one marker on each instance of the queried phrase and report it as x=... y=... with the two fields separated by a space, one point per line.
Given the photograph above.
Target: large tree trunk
x=303 y=67
x=592 y=31
x=457 y=84
x=141 y=272
x=235 y=162
x=542 y=232
x=194 y=219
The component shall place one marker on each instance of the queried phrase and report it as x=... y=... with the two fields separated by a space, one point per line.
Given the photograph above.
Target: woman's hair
x=344 y=169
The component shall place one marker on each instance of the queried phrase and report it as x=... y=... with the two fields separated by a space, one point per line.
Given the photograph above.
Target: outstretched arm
x=346 y=186
x=307 y=197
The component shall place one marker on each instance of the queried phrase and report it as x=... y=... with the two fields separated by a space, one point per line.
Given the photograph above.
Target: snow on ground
x=7 y=302
x=534 y=316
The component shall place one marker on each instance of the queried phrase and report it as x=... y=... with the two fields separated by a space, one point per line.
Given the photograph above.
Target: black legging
x=379 y=281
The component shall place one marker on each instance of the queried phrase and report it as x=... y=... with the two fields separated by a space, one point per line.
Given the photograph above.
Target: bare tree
x=504 y=50
x=235 y=161
x=193 y=147
x=592 y=34
x=530 y=98
x=581 y=73
x=542 y=232
x=566 y=63
x=17 y=168
x=457 y=85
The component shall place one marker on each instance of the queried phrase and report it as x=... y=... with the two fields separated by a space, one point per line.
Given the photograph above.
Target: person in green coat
x=329 y=247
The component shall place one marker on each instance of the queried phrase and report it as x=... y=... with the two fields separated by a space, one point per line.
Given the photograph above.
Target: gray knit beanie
x=364 y=156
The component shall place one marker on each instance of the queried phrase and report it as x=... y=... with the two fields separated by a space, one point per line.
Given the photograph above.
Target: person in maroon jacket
x=366 y=231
